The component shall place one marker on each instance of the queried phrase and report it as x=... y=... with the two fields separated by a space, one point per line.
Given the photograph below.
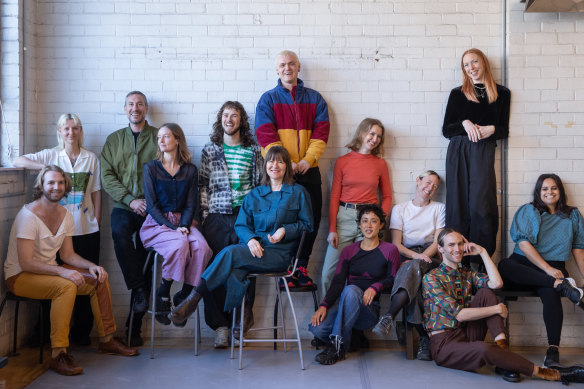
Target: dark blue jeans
x=347 y=313
x=130 y=252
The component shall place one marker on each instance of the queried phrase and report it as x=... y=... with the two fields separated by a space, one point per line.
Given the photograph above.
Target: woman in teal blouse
x=546 y=232
x=271 y=220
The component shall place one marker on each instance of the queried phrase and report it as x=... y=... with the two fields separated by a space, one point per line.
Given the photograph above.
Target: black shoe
x=383 y=326
x=331 y=355
x=248 y=322
x=136 y=340
x=178 y=298
x=552 y=357
x=303 y=278
x=140 y=304
x=424 y=353
x=509 y=376
x=315 y=342
x=571 y=374
x=568 y=288
x=181 y=313
x=162 y=309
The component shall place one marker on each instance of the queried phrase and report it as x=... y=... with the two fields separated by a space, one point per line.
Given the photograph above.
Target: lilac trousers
x=185 y=256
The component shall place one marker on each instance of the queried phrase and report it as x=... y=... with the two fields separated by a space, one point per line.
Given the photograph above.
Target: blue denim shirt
x=264 y=211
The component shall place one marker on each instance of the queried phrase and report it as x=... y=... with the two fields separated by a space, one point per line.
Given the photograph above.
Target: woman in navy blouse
x=271 y=220
x=546 y=231
x=172 y=198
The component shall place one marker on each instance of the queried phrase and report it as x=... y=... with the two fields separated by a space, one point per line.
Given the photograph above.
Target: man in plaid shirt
x=457 y=325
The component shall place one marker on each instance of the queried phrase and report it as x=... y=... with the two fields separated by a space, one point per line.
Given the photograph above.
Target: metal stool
x=276 y=276
x=311 y=288
x=153 y=257
x=17 y=299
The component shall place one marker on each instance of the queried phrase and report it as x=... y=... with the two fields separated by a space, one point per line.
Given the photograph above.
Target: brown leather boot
x=64 y=364
x=116 y=347
x=502 y=343
x=180 y=314
x=545 y=373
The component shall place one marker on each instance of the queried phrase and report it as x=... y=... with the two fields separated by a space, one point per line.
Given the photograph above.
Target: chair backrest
x=298 y=252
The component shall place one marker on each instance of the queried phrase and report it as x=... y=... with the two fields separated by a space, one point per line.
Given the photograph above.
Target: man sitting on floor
x=457 y=325
x=40 y=229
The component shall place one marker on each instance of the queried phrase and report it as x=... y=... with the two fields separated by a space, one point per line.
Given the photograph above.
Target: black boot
x=180 y=314
x=571 y=374
x=424 y=353
x=334 y=352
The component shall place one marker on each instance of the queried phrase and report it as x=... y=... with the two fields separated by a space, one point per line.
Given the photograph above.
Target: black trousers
x=131 y=255
x=519 y=273
x=312 y=182
x=86 y=246
x=219 y=233
x=471 y=191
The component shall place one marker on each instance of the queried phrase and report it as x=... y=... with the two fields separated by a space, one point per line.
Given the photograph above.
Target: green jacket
x=122 y=164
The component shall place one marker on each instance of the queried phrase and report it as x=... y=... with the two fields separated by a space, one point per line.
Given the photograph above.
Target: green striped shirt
x=239 y=170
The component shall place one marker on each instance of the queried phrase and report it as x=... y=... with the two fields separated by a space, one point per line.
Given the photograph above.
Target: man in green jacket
x=123 y=157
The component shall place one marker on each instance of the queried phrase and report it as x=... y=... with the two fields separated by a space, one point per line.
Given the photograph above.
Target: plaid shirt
x=214 y=186
x=446 y=292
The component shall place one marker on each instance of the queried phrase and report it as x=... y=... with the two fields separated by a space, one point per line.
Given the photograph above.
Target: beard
x=52 y=196
x=233 y=132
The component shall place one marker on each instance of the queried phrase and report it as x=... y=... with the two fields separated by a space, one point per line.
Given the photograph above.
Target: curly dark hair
x=563 y=209
x=244 y=129
x=377 y=211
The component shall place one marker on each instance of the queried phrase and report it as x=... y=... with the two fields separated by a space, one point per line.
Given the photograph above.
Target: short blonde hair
x=286 y=53
x=427 y=173
x=61 y=122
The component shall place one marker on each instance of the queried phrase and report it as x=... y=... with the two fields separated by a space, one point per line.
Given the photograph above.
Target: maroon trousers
x=464 y=348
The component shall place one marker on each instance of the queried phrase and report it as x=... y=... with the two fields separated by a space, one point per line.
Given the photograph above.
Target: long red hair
x=468 y=86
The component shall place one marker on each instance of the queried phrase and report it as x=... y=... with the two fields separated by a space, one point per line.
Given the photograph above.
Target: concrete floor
x=177 y=367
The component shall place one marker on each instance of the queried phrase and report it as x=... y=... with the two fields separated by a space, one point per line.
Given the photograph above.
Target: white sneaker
x=221 y=337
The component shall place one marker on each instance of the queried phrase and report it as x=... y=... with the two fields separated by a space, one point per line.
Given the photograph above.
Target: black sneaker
x=136 y=340
x=509 y=376
x=331 y=354
x=162 y=309
x=552 y=357
x=303 y=278
x=384 y=325
x=140 y=304
x=316 y=342
x=424 y=353
x=568 y=288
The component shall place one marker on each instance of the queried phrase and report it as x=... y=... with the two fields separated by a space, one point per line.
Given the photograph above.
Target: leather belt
x=353 y=206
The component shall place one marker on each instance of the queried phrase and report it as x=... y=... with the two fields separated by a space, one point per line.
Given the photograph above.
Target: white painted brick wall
x=394 y=60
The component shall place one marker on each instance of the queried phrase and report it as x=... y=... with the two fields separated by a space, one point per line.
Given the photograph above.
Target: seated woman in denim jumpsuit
x=272 y=218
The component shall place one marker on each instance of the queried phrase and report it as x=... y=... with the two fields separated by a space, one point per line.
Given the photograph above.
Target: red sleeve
x=335 y=194
x=385 y=184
